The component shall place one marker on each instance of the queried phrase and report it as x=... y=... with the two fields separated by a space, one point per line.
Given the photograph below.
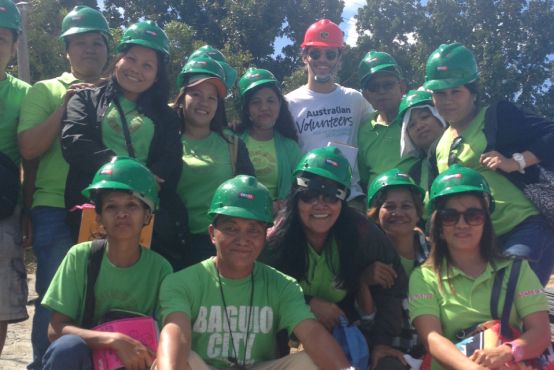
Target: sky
x=348 y=24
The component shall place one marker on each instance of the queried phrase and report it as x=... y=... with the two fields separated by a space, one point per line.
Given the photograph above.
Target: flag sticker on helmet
x=324 y=35
x=442 y=68
x=331 y=162
x=3 y=9
x=151 y=33
x=76 y=18
x=106 y=171
x=403 y=175
x=453 y=176
x=248 y=196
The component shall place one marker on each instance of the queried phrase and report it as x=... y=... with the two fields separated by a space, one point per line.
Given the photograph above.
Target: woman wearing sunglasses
x=503 y=143
x=452 y=290
x=327 y=246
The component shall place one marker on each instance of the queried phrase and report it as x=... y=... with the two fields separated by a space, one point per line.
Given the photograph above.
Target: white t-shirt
x=329 y=117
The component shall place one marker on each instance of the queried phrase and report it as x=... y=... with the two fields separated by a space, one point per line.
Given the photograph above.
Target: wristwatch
x=520 y=159
x=517 y=351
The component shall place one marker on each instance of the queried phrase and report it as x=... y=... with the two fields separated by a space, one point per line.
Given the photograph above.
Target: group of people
x=310 y=211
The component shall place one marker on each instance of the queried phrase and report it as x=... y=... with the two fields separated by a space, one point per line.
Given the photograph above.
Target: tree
x=508 y=37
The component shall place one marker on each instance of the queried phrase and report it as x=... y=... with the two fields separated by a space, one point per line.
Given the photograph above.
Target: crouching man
x=225 y=312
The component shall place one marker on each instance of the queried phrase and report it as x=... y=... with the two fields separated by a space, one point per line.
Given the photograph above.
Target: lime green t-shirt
x=12 y=92
x=43 y=99
x=277 y=303
x=264 y=159
x=141 y=130
x=511 y=205
x=464 y=301
x=407 y=264
x=379 y=149
x=133 y=288
x=321 y=280
x=206 y=164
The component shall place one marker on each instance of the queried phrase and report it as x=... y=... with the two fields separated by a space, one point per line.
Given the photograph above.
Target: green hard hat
x=243 y=197
x=393 y=177
x=412 y=99
x=84 y=19
x=123 y=173
x=203 y=65
x=9 y=16
x=456 y=180
x=255 y=77
x=327 y=162
x=147 y=34
x=451 y=65
x=376 y=61
x=210 y=51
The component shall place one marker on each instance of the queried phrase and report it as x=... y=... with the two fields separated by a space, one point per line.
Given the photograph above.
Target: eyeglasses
x=472 y=216
x=312 y=195
x=310 y=190
x=315 y=54
x=453 y=154
x=384 y=87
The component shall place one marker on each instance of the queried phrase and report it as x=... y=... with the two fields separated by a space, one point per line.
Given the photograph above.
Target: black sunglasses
x=312 y=195
x=453 y=153
x=315 y=54
x=472 y=216
x=311 y=190
x=376 y=87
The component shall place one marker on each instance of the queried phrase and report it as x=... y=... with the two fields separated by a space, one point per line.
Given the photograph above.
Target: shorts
x=13 y=277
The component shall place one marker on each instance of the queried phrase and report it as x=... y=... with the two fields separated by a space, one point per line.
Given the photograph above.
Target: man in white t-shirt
x=323 y=110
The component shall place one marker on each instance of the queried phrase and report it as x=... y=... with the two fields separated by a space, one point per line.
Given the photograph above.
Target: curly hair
x=284 y=123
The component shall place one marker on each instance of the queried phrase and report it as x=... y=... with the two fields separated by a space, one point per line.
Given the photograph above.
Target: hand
x=133 y=354
x=72 y=89
x=380 y=351
x=493 y=160
x=327 y=313
x=278 y=205
x=26 y=230
x=379 y=273
x=494 y=358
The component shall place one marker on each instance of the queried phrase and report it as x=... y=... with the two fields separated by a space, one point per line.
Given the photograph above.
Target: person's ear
x=211 y=231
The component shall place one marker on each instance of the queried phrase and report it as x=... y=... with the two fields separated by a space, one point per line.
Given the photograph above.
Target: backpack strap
x=125 y=127
x=93 y=268
x=505 y=330
x=233 y=152
x=495 y=294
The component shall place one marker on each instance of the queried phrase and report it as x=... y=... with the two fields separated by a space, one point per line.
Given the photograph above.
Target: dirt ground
x=17 y=351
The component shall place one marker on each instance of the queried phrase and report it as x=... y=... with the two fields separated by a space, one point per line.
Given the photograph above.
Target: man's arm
x=175 y=343
x=320 y=345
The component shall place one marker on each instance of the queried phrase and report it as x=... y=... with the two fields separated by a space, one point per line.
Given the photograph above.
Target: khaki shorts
x=13 y=277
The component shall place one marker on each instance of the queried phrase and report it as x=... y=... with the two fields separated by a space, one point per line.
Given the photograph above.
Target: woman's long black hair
x=284 y=124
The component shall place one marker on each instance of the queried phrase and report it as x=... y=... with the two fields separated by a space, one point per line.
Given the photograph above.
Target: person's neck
x=196 y=132
x=123 y=253
x=317 y=241
x=404 y=245
x=229 y=272
x=461 y=125
x=260 y=135
x=322 y=88
x=87 y=79
x=387 y=117
x=472 y=264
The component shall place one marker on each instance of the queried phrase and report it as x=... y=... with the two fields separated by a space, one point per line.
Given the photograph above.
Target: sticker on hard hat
x=402 y=175
x=3 y=10
x=454 y=176
x=442 y=68
x=76 y=18
x=106 y=171
x=331 y=162
x=151 y=33
x=375 y=59
x=247 y=196
x=324 y=35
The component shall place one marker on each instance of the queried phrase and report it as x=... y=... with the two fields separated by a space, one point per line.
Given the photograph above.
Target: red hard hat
x=323 y=33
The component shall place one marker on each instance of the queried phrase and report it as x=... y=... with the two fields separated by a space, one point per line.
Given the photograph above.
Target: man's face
x=7 y=48
x=321 y=61
x=384 y=91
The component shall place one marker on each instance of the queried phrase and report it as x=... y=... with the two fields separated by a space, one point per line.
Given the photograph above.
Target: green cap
x=84 y=19
x=450 y=66
x=412 y=99
x=255 y=77
x=205 y=66
x=210 y=51
x=147 y=34
x=377 y=61
x=457 y=180
x=9 y=16
x=243 y=197
x=123 y=173
x=327 y=162
x=391 y=178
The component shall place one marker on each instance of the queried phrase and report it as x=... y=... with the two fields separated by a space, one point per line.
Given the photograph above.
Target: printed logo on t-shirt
x=325 y=118
x=212 y=321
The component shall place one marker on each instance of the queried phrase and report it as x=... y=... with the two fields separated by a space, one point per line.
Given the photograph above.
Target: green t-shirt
x=206 y=164
x=407 y=264
x=464 y=301
x=321 y=280
x=278 y=304
x=12 y=92
x=141 y=130
x=379 y=149
x=264 y=159
x=511 y=205
x=132 y=288
x=43 y=99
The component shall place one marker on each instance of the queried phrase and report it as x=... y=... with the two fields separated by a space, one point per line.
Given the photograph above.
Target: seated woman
x=422 y=126
x=210 y=154
x=452 y=290
x=327 y=246
x=125 y=195
x=268 y=131
x=395 y=202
